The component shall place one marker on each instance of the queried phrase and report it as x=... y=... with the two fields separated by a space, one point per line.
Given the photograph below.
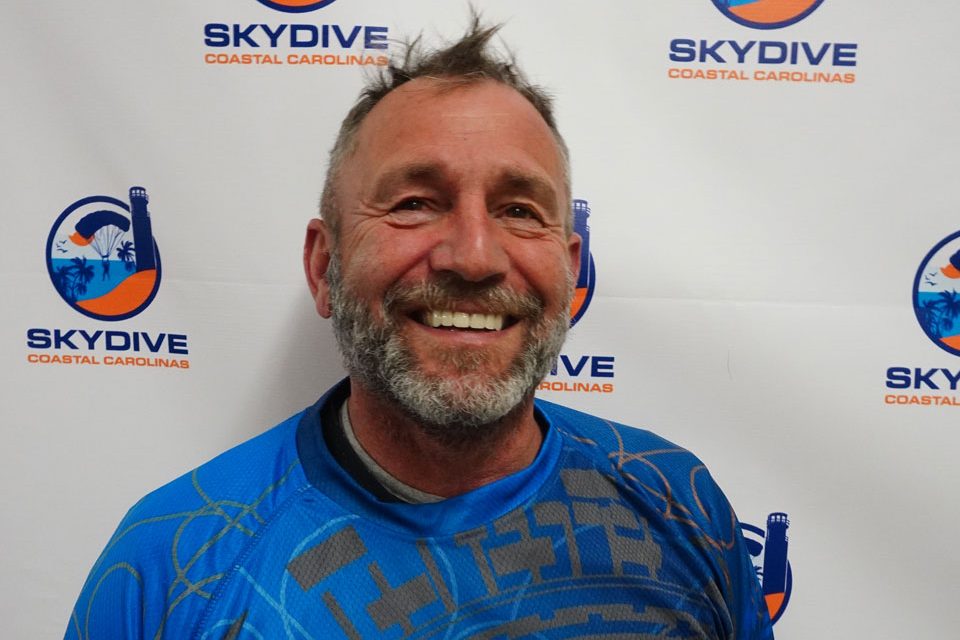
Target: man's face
x=451 y=278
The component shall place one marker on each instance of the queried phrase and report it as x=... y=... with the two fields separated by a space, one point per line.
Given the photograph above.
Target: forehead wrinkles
x=473 y=109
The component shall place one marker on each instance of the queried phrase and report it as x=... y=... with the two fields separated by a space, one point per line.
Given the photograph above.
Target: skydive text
x=80 y=339
x=322 y=36
x=763 y=52
x=918 y=378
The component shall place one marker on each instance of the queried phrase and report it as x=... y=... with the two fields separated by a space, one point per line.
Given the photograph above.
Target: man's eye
x=411 y=204
x=519 y=212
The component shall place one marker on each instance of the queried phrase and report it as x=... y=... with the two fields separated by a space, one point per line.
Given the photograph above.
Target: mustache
x=448 y=290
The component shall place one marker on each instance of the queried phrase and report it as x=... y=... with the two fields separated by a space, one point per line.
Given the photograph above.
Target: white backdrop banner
x=771 y=276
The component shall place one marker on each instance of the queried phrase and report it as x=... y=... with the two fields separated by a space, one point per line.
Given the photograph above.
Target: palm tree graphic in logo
x=126 y=252
x=936 y=300
x=71 y=279
x=117 y=236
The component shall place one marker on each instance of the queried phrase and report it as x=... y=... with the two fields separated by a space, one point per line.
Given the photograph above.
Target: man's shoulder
x=673 y=499
x=638 y=459
x=248 y=471
x=609 y=437
x=173 y=548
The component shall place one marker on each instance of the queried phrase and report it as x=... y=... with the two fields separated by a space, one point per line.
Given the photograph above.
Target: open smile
x=465 y=320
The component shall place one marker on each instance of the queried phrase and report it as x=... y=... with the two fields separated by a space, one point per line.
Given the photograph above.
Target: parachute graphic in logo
x=769 y=552
x=767 y=14
x=102 y=257
x=936 y=299
x=587 y=278
x=296 y=6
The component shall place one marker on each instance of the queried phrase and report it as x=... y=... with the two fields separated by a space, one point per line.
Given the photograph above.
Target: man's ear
x=316 y=260
x=573 y=249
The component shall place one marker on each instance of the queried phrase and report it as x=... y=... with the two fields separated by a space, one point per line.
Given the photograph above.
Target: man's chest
x=554 y=569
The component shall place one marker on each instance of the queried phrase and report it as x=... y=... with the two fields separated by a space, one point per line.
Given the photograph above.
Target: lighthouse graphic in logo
x=102 y=258
x=769 y=552
x=587 y=278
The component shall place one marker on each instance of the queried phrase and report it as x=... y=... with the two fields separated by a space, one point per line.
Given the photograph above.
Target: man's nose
x=471 y=245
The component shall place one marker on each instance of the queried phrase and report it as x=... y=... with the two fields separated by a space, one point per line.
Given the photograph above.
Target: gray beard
x=458 y=410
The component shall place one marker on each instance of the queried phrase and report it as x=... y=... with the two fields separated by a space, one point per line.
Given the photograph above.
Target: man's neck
x=406 y=451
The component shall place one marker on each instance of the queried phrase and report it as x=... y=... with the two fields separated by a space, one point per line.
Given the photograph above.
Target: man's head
x=468 y=60
x=447 y=260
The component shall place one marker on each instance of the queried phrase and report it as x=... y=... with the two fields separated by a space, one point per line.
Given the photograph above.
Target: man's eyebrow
x=537 y=187
x=413 y=173
x=514 y=181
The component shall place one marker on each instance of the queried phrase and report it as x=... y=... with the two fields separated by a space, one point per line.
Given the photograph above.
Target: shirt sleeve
x=148 y=582
x=111 y=603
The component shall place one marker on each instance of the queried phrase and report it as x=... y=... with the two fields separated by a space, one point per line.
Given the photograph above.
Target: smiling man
x=429 y=495
x=447 y=262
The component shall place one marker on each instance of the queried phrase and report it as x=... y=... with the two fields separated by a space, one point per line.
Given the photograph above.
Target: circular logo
x=936 y=300
x=102 y=258
x=767 y=14
x=296 y=6
x=768 y=549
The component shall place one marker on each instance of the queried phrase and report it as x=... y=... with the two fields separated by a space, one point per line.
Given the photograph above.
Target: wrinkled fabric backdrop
x=769 y=194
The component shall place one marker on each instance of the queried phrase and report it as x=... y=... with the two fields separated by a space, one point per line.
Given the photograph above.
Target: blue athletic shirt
x=612 y=532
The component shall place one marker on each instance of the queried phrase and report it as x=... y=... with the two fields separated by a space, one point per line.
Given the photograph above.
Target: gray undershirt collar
x=395 y=487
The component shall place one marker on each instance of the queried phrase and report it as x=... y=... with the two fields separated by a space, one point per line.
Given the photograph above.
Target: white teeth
x=461 y=320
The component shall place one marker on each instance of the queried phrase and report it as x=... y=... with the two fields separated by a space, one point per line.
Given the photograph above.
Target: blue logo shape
x=769 y=552
x=102 y=257
x=296 y=6
x=767 y=14
x=936 y=301
x=587 y=278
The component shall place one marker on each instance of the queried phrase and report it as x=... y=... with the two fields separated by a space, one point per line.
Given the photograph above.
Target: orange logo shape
x=767 y=14
x=296 y=6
